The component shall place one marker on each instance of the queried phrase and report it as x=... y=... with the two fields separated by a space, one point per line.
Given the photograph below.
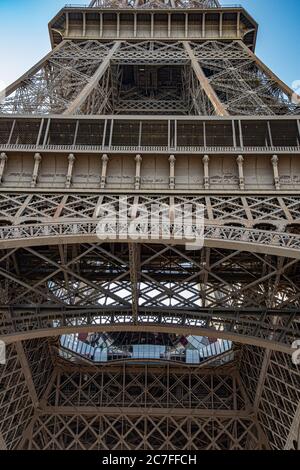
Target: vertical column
x=152 y=25
x=206 y=171
x=37 y=161
x=101 y=25
x=3 y=160
x=203 y=25
x=270 y=135
x=274 y=161
x=240 y=162
x=172 y=161
x=221 y=25
x=138 y=163
x=135 y=25
x=238 y=25
x=118 y=25
x=104 y=159
x=84 y=24
x=71 y=160
x=298 y=126
x=67 y=24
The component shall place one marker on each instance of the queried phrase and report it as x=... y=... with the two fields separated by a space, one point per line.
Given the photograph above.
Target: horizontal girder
x=235 y=238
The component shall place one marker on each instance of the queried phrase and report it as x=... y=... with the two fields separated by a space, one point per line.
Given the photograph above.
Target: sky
x=24 y=37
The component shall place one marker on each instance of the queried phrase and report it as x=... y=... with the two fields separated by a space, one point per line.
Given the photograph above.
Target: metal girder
x=33 y=70
x=27 y=373
x=204 y=83
x=240 y=292
x=246 y=328
x=135 y=265
x=2 y=443
x=232 y=80
x=253 y=241
x=284 y=87
x=250 y=210
x=243 y=84
x=137 y=411
x=55 y=82
x=293 y=440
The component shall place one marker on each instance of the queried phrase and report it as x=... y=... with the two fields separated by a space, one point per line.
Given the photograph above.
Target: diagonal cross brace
x=134 y=261
x=93 y=82
x=204 y=83
x=264 y=68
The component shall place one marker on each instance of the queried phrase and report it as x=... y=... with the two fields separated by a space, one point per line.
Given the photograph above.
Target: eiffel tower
x=123 y=343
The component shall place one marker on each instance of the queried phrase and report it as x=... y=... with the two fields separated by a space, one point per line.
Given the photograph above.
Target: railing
x=149 y=148
x=270 y=239
x=77 y=5
x=216 y=322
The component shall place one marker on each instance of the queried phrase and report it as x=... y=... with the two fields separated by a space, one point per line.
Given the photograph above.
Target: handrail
x=113 y=7
x=34 y=233
x=149 y=148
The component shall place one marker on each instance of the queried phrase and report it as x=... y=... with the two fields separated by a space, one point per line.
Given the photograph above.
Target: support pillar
x=204 y=83
x=37 y=161
x=240 y=162
x=3 y=160
x=274 y=161
x=138 y=163
x=104 y=159
x=172 y=161
x=71 y=159
x=206 y=171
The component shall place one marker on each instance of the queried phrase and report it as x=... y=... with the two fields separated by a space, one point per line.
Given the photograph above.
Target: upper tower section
x=163 y=20
x=155 y=3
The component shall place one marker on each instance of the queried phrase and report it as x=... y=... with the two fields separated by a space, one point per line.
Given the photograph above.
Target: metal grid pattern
x=109 y=409
x=75 y=78
x=57 y=278
x=272 y=382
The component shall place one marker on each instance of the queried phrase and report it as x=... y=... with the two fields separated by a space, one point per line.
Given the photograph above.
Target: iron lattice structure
x=166 y=103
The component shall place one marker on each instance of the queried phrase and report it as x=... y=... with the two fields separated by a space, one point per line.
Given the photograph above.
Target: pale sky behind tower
x=24 y=37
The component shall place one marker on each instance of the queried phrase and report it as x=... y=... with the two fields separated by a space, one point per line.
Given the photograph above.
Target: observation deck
x=202 y=23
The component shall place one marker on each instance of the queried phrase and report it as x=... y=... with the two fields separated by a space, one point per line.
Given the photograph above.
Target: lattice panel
x=146 y=407
x=150 y=52
x=40 y=363
x=169 y=277
x=279 y=399
x=111 y=432
x=250 y=369
x=241 y=85
x=15 y=401
x=55 y=84
x=247 y=211
x=145 y=387
x=273 y=382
